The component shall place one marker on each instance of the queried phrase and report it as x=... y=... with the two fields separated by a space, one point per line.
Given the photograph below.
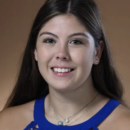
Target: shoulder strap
x=105 y=111
x=39 y=109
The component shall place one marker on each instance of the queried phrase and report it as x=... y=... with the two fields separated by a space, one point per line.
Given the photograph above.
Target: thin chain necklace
x=67 y=120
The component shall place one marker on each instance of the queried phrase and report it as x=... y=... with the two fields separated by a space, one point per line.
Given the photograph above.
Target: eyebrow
x=48 y=33
x=72 y=35
x=77 y=34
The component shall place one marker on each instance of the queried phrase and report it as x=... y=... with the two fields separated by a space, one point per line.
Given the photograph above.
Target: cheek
x=83 y=56
x=43 y=61
x=43 y=56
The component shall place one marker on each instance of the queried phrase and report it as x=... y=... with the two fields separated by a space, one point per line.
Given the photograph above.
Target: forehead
x=61 y=23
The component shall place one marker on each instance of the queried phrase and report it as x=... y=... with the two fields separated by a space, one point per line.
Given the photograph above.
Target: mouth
x=62 y=70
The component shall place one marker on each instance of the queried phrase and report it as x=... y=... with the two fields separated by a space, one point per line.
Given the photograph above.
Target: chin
x=61 y=88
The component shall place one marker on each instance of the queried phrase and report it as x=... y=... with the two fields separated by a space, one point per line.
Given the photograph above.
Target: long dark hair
x=31 y=85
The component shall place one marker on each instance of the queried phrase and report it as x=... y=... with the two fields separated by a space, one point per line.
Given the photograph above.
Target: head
x=65 y=43
x=86 y=12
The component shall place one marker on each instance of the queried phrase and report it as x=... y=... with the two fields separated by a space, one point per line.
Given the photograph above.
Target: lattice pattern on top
x=32 y=126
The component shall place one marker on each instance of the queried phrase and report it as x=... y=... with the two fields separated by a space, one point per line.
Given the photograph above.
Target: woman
x=67 y=79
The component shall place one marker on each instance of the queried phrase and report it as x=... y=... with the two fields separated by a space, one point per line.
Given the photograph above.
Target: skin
x=64 y=52
x=69 y=51
x=70 y=93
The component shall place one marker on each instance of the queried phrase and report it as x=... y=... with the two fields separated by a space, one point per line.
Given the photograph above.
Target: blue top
x=41 y=123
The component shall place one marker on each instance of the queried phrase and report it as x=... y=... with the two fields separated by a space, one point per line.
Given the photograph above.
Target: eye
x=76 y=42
x=49 y=40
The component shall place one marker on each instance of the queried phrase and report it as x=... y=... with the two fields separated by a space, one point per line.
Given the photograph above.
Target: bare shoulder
x=18 y=117
x=119 y=119
x=122 y=117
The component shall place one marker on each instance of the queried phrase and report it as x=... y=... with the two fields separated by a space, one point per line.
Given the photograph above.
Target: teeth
x=61 y=70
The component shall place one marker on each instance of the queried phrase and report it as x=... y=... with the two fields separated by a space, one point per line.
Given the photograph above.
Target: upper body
x=67 y=58
x=18 y=118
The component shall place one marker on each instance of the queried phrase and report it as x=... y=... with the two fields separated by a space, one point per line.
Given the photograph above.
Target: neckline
x=95 y=120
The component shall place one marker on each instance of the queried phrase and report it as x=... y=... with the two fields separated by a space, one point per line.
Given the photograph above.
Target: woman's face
x=65 y=52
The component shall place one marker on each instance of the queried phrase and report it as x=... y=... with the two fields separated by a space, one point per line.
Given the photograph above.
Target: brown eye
x=49 y=40
x=76 y=42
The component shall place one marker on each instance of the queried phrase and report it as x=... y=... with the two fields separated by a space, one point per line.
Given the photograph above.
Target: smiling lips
x=61 y=72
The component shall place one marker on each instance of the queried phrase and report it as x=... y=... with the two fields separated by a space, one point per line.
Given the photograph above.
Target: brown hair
x=31 y=85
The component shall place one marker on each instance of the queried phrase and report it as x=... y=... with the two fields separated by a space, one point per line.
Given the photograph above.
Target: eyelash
x=53 y=41
x=50 y=39
x=79 y=42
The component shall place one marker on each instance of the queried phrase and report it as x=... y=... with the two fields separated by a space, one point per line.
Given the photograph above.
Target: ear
x=35 y=54
x=98 y=52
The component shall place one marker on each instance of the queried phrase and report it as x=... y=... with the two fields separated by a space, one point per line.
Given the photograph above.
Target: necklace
x=67 y=120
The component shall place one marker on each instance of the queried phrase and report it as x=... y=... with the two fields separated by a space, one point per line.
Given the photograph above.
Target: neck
x=67 y=103
x=70 y=102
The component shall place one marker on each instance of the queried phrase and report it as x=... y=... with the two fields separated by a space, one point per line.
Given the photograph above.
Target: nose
x=62 y=54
